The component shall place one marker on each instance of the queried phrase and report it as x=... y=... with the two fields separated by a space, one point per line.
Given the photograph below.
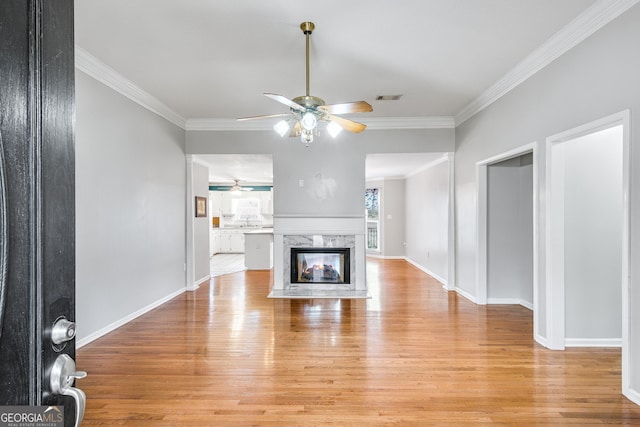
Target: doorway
x=587 y=237
x=507 y=216
x=510 y=231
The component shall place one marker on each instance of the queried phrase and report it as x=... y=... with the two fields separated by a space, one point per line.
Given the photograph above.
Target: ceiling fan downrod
x=307 y=29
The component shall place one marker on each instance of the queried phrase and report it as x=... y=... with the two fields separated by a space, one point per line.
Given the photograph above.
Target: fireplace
x=320 y=265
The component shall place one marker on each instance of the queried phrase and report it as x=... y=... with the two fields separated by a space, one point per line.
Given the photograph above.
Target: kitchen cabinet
x=227 y=202
x=231 y=241
x=214 y=241
x=216 y=202
x=266 y=206
x=222 y=202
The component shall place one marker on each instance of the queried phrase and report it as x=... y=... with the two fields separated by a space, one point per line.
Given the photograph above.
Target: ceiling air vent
x=388 y=97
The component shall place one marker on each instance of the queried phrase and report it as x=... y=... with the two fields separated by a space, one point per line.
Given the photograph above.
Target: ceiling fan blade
x=286 y=101
x=296 y=130
x=347 y=108
x=267 y=116
x=347 y=124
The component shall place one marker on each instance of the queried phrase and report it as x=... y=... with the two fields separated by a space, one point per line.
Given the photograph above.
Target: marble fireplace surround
x=318 y=232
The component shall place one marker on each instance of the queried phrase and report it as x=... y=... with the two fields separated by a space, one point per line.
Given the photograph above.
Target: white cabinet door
x=215 y=241
x=216 y=202
x=231 y=241
x=227 y=207
x=266 y=206
x=225 y=246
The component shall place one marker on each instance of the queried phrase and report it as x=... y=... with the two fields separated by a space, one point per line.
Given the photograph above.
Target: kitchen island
x=258 y=249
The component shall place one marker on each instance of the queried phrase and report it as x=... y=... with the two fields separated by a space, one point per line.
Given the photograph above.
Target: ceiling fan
x=307 y=111
x=237 y=187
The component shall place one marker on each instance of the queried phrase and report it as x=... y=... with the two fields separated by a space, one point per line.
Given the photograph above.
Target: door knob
x=63 y=373
x=63 y=330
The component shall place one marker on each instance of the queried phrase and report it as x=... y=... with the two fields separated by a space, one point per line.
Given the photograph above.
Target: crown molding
x=591 y=20
x=373 y=123
x=100 y=71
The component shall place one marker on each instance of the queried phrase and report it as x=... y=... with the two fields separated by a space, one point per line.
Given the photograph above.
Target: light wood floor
x=414 y=354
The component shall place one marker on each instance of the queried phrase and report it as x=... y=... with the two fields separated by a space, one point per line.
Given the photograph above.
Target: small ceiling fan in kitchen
x=236 y=187
x=307 y=111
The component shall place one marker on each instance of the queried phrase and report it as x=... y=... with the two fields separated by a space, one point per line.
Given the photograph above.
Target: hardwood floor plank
x=226 y=355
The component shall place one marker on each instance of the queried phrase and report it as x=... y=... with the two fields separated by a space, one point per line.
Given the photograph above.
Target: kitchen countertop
x=259 y=231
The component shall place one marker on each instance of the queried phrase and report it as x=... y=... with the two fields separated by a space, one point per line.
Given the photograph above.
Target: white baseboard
x=198 y=282
x=540 y=340
x=426 y=270
x=508 y=301
x=115 y=325
x=466 y=295
x=593 y=342
x=632 y=395
x=379 y=256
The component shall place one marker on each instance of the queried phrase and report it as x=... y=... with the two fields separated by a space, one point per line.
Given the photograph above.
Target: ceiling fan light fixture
x=334 y=129
x=306 y=111
x=235 y=188
x=282 y=127
x=309 y=121
x=306 y=136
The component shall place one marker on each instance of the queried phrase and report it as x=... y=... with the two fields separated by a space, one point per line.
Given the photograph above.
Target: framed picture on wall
x=201 y=207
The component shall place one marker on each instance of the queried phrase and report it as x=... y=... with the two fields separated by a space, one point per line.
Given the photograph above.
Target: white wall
x=595 y=79
x=130 y=209
x=427 y=219
x=510 y=231
x=593 y=235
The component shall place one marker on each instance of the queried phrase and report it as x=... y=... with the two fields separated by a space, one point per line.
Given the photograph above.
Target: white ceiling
x=213 y=59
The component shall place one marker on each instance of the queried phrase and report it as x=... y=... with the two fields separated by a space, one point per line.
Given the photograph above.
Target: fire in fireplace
x=320 y=265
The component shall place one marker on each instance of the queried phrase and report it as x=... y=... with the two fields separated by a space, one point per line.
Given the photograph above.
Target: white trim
x=540 y=339
x=588 y=22
x=442 y=280
x=593 y=342
x=373 y=123
x=466 y=295
x=632 y=395
x=451 y=225
x=481 y=233
x=198 y=282
x=482 y=217
x=379 y=256
x=115 y=325
x=100 y=71
x=510 y=301
x=555 y=236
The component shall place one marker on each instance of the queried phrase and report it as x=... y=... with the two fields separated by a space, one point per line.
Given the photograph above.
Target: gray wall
x=332 y=171
x=593 y=235
x=392 y=219
x=597 y=78
x=427 y=213
x=200 y=186
x=130 y=209
x=510 y=231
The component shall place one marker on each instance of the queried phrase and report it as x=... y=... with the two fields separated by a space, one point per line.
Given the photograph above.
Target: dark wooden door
x=37 y=197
